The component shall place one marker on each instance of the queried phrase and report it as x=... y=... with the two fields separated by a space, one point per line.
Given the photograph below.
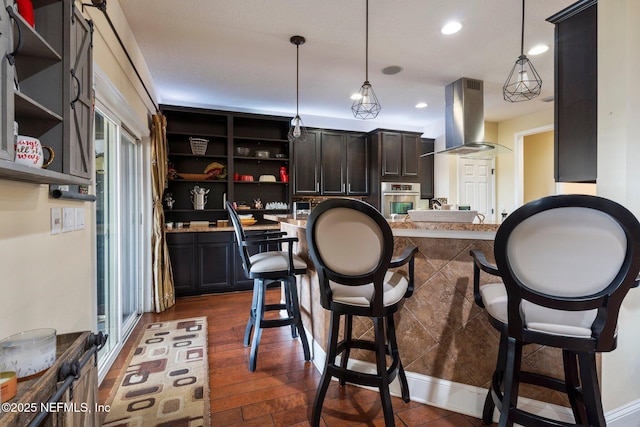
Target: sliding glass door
x=118 y=229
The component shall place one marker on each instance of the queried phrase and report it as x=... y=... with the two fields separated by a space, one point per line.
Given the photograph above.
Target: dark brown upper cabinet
x=331 y=163
x=576 y=92
x=399 y=154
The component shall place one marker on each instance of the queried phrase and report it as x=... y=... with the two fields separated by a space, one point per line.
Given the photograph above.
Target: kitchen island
x=447 y=346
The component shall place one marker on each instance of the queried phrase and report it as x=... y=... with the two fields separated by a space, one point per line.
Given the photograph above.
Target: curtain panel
x=163 y=289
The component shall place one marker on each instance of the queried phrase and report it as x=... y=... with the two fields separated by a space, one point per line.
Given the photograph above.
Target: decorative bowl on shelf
x=267 y=178
x=263 y=154
x=242 y=151
x=194 y=176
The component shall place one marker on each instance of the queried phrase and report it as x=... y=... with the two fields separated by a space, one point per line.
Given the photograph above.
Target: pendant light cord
x=297 y=77
x=366 y=54
x=522 y=32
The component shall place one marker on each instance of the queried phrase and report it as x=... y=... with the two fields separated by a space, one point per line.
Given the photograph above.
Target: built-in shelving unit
x=46 y=74
x=225 y=131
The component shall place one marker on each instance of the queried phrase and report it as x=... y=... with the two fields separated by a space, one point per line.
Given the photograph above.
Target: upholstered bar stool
x=270 y=267
x=566 y=263
x=351 y=245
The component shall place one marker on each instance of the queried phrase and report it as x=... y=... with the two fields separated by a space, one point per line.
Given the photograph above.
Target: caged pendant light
x=297 y=131
x=366 y=106
x=524 y=82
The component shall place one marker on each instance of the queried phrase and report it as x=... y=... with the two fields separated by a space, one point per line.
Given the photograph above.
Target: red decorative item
x=25 y=9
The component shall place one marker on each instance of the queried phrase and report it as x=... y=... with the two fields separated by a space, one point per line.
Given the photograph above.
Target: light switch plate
x=56 y=220
x=67 y=219
x=79 y=219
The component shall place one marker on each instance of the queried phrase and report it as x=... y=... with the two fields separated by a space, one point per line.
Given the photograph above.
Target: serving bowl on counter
x=433 y=215
x=28 y=353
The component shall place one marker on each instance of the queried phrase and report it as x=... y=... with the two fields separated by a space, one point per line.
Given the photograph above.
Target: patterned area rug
x=166 y=382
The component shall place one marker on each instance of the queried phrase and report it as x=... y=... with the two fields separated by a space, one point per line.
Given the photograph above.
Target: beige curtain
x=163 y=290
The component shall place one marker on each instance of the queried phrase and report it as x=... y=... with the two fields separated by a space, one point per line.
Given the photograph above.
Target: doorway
x=118 y=233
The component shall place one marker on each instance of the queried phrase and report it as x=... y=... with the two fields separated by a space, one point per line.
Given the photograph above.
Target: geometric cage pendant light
x=366 y=105
x=297 y=131
x=524 y=82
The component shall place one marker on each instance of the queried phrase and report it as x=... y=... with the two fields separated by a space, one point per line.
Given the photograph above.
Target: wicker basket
x=199 y=146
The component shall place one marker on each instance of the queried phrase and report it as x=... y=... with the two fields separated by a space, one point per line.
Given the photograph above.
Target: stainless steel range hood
x=464 y=120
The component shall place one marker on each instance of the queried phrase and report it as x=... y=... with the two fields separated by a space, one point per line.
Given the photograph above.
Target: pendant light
x=524 y=82
x=366 y=106
x=297 y=131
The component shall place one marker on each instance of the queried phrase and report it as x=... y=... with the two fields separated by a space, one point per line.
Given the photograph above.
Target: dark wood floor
x=281 y=390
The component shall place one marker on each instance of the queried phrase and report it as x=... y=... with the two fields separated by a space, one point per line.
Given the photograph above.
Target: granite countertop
x=402 y=224
x=213 y=228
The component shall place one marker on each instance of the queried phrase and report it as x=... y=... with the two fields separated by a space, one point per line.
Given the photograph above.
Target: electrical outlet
x=79 y=219
x=67 y=219
x=56 y=220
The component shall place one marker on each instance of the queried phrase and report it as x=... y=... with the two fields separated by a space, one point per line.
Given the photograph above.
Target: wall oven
x=399 y=197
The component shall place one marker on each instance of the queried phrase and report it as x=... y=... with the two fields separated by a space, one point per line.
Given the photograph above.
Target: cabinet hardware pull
x=73 y=74
x=317 y=187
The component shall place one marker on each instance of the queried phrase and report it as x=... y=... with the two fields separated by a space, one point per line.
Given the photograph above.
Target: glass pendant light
x=297 y=131
x=524 y=82
x=366 y=105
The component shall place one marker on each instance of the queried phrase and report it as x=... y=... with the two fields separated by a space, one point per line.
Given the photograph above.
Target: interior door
x=477 y=185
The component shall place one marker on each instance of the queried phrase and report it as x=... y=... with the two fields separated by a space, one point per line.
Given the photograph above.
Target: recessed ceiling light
x=356 y=96
x=451 y=27
x=421 y=105
x=391 y=70
x=538 y=49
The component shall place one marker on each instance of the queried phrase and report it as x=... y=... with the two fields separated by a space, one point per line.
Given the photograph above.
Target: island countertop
x=407 y=228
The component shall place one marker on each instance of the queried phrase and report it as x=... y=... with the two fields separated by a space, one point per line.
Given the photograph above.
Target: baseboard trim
x=624 y=416
x=469 y=400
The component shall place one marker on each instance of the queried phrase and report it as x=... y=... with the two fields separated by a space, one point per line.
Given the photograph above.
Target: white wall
x=45 y=281
x=618 y=160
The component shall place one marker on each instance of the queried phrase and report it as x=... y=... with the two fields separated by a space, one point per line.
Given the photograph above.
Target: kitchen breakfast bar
x=447 y=346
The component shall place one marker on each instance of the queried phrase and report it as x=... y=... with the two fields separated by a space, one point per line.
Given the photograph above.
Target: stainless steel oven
x=399 y=197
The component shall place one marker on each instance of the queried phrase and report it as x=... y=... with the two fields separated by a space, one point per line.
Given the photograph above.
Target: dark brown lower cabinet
x=204 y=263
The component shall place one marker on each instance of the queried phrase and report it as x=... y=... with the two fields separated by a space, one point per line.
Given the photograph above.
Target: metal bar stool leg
x=257 y=332
x=381 y=363
x=252 y=314
x=326 y=375
x=295 y=313
x=395 y=355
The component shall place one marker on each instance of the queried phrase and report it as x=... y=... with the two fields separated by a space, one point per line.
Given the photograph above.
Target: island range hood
x=464 y=120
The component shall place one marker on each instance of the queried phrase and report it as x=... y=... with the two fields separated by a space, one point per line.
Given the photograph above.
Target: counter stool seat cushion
x=272 y=261
x=538 y=318
x=395 y=287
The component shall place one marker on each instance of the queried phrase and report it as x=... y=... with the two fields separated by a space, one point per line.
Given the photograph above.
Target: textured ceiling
x=236 y=55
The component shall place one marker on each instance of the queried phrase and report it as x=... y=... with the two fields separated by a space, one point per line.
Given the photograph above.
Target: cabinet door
x=78 y=89
x=576 y=90
x=6 y=91
x=306 y=165
x=183 y=262
x=427 y=169
x=410 y=155
x=333 y=159
x=215 y=261
x=357 y=165
x=391 y=154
